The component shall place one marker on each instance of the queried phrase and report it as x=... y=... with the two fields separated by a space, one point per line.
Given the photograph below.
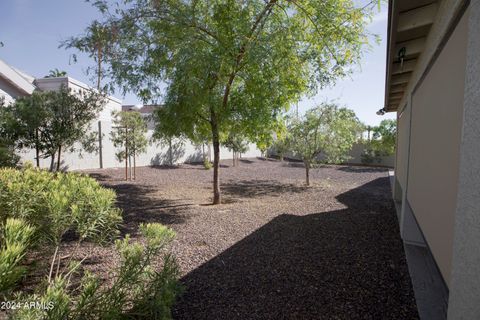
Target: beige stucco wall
x=403 y=138
x=436 y=125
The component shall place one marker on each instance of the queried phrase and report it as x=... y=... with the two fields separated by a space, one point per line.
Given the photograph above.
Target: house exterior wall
x=430 y=124
x=403 y=141
x=465 y=279
x=436 y=125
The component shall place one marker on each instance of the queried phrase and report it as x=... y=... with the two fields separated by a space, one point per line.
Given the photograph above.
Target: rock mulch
x=275 y=249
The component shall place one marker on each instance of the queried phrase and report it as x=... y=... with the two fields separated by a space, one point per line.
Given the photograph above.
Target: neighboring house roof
x=16 y=78
x=26 y=84
x=48 y=83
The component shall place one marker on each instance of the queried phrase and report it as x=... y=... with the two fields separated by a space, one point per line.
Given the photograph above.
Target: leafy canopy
x=226 y=61
x=384 y=137
x=327 y=130
x=225 y=64
x=53 y=119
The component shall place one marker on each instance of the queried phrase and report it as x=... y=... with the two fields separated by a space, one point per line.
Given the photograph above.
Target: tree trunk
x=37 y=151
x=134 y=166
x=307 y=173
x=170 y=151
x=216 y=159
x=216 y=166
x=233 y=158
x=59 y=157
x=52 y=161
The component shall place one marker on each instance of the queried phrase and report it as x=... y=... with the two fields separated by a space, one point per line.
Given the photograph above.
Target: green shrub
x=138 y=291
x=55 y=203
x=370 y=155
x=8 y=158
x=207 y=164
x=16 y=237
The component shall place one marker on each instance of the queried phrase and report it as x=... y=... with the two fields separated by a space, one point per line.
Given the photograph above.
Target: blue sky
x=32 y=30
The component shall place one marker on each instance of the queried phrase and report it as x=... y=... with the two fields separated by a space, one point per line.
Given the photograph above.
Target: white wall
x=9 y=92
x=156 y=154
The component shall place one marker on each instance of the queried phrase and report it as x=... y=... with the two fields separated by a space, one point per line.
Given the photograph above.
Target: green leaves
x=51 y=120
x=226 y=66
x=56 y=203
x=16 y=237
x=129 y=129
x=326 y=130
x=265 y=54
x=139 y=289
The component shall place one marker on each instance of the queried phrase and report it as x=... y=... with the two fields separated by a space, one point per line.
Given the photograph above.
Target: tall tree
x=54 y=121
x=327 y=131
x=228 y=62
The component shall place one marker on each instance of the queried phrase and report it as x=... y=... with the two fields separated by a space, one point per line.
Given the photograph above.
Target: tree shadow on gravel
x=259 y=188
x=343 y=264
x=139 y=205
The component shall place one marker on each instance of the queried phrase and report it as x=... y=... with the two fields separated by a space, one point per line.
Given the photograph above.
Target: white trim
x=15 y=78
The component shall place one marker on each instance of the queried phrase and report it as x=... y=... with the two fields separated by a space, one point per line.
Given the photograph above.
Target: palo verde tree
x=129 y=135
x=327 y=131
x=53 y=121
x=215 y=61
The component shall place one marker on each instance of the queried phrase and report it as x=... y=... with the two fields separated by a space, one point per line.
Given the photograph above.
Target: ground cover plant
x=39 y=211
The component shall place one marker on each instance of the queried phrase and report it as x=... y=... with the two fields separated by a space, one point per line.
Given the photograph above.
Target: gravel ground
x=275 y=249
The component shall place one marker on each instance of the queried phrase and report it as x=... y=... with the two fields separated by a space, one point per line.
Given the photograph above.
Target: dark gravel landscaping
x=275 y=249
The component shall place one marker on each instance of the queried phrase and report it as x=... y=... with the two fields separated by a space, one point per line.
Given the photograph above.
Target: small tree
x=54 y=121
x=129 y=135
x=384 y=136
x=325 y=130
x=382 y=142
x=237 y=144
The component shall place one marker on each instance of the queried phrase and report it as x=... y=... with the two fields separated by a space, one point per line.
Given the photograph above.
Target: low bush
x=15 y=238
x=207 y=164
x=57 y=203
x=138 y=291
x=370 y=156
x=54 y=203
